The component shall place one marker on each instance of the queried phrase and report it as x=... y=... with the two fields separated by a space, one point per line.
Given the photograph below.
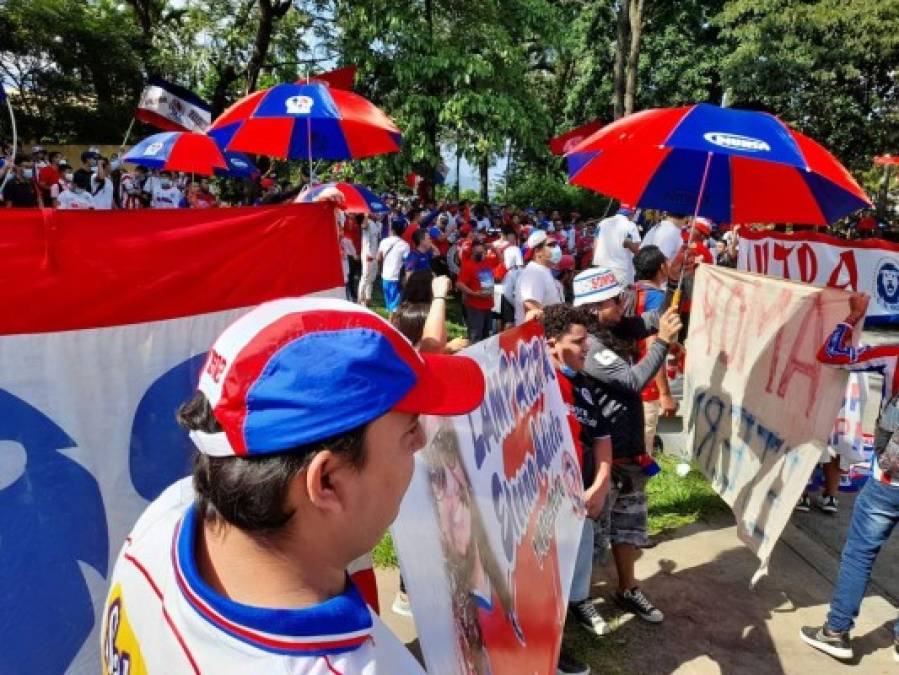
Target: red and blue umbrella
x=300 y=121
x=178 y=151
x=732 y=166
x=239 y=166
x=358 y=198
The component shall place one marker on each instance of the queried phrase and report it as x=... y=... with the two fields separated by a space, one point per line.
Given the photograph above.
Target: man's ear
x=323 y=477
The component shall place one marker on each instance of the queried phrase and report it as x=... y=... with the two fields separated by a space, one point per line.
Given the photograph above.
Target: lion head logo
x=299 y=105
x=888 y=285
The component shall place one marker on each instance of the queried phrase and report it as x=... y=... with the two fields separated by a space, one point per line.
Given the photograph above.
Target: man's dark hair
x=558 y=319
x=250 y=492
x=417 y=237
x=679 y=216
x=83 y=180
x=398 y=226
x=648 y=262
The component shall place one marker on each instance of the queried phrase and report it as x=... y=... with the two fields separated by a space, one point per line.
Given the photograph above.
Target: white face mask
x=27 y=174
x=114 y=164
x=69 y=177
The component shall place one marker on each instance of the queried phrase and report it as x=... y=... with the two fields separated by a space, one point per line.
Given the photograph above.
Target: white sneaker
x=827 y=504
x=589 y=617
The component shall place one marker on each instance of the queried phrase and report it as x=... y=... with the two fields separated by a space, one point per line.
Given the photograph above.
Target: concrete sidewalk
x=699 y=576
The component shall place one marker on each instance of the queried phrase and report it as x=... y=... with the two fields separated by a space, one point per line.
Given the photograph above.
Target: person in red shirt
x=205 y=195
x=48 y=177
x=475 y=282
x=702 y=230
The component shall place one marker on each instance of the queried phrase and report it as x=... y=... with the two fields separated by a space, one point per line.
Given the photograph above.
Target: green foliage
x=828 y=67
x=675 y=501
x=550 y=190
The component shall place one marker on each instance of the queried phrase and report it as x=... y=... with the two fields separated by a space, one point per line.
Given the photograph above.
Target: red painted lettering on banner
x=782 y=254
x=801 y=359
x=808 y=264
x=761 y=258
x=845 y=274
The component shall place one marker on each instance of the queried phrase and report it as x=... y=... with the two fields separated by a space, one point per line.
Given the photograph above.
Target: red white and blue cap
x=595 y=285
x=300 y=370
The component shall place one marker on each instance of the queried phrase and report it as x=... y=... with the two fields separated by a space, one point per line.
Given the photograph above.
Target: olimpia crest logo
x=736 y=142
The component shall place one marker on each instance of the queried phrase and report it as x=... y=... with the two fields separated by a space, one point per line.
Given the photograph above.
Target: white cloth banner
x=847 y=441
x=488 y=533
x=762 y=406
x=869 y=265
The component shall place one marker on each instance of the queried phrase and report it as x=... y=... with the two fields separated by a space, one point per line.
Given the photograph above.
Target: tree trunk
x=621 y=46
x=226 y=75
x=431 y=124
x=269 y=12
x=633 y=57
x=484 y=170
x=458 y=173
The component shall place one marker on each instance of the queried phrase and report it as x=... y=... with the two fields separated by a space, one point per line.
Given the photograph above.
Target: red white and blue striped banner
x=169 y=107
x=105 y=318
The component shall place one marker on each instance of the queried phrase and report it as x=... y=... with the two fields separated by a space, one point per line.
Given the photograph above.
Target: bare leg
x=625 y=556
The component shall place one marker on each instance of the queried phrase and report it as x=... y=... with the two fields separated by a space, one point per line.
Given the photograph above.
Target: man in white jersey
x=667 y=235
x=165 y=195
x=306 y=419
x=876 y=510
x=617 y=240
x=536 y=288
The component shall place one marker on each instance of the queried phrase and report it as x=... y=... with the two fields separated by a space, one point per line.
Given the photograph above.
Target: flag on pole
x=341 y=78
x=562 y=144
x=169 y=107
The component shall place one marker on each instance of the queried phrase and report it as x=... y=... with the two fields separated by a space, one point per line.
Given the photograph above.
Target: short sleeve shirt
x=477 y=277
x=578 y=394
x=536 y=283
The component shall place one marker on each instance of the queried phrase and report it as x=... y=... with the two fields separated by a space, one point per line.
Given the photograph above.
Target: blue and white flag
x=169 y=107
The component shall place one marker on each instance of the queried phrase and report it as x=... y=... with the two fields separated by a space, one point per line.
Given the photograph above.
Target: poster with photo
x=488 y=532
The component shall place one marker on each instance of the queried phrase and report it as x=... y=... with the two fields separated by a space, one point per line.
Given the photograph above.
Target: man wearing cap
x=667 y=234
x=306 y=419
x=617 y=240
x=536 y=287
x=620 y=381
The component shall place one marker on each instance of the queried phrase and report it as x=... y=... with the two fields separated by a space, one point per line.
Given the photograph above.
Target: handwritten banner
x=848 y=439
x=762 y=407
x=868 y=265
x=488 y=532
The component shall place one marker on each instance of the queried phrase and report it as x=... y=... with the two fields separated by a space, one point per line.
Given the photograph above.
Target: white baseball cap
x=595 y=285
x=537 y=237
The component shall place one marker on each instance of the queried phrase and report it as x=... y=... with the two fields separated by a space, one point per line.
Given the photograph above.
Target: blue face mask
x=567 y=371
x=555 y=255
x=556 y=273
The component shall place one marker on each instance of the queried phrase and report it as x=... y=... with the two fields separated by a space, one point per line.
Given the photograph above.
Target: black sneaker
x=568 y=665
x=836 y=644
x=827 y=503
x=589 y=617
x=636 y=602
x=804 y=504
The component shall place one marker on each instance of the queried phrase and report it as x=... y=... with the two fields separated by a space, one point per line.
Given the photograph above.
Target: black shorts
x=506 y=311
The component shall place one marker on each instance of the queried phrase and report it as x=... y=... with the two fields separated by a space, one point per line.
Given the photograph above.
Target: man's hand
x=669 y=324
x=858 y=306
x=441 y=286
x=668 y=405
x=594 y=498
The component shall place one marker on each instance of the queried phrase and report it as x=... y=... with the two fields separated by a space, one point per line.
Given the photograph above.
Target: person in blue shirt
x=423 y=251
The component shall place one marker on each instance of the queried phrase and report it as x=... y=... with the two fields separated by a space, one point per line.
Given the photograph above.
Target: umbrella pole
x=675 y=300
x=309 y=137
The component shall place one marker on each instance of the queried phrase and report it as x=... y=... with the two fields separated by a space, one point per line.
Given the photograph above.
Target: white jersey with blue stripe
x=161 y=617
x=838 y=350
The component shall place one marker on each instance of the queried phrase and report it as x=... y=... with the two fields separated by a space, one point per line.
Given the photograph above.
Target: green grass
x=675 y=501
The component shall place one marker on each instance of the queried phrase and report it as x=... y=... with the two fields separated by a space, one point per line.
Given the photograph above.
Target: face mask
x=567 y=371
x=165 y=183
x=556 y=273
x=27 y=174
x=556 y=255
x=114 y=164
